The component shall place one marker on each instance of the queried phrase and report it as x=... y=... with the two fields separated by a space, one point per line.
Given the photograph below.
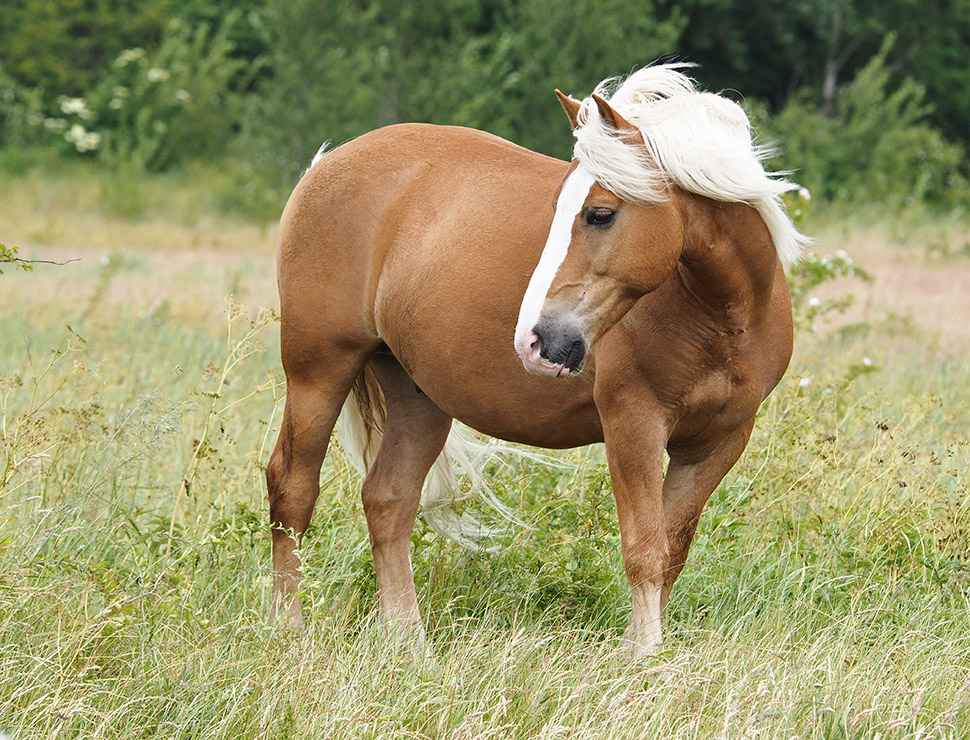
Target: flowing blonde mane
x=699 y=141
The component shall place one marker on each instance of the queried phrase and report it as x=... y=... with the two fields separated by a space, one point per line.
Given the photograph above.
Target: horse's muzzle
x=554 y=348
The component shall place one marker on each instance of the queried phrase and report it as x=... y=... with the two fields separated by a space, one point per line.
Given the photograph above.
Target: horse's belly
x=456 y=343
x=503 y=400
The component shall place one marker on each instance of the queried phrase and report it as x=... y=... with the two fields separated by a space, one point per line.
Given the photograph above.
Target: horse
x=635 y=295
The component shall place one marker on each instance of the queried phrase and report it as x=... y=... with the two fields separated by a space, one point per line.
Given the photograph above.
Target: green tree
x=773 y=49
x=63 y=46
x=336 y=71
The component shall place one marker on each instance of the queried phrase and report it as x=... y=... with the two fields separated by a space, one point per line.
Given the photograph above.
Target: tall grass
x=827 y=594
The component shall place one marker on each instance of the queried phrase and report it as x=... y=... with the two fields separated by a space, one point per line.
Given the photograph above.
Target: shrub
x=876 y=148
x=149 y=111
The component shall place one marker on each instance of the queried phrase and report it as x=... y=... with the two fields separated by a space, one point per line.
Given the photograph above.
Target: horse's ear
x=614 y=119
x=571 y=107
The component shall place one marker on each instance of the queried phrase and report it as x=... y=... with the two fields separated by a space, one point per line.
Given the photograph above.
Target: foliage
x=776 y=49
x=61 y=47
x=258 y=89
x=171 y=105
x=474 y=63
x=811 y=271
x=876 y=148
x=8 y=255
x=149 y=109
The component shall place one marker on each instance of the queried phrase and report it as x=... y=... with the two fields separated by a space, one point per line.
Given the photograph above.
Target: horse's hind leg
x=415 y=433
x=314 y=397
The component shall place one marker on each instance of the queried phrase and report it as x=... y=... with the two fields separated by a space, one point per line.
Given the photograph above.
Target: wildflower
x=804 y=193
x=157 y=74
x=128 y=56
x=867 y=361
x=75 y=107
x=184 y=95
x=804 y=382
x=83 y=140
x=814 y=301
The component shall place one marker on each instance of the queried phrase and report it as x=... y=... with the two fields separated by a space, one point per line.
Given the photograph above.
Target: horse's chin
x=545 y=368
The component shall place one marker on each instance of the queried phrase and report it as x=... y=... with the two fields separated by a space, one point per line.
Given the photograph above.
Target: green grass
x=827 y=594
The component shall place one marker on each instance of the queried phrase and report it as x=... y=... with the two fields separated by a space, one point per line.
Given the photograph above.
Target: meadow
x=827 y=594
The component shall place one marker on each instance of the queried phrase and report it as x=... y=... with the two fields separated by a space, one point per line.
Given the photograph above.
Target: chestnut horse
x=634 y=296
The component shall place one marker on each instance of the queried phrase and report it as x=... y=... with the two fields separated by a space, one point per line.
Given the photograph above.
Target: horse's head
x=602 y=253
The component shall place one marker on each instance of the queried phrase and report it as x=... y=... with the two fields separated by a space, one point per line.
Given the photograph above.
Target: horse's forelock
x=700 y=141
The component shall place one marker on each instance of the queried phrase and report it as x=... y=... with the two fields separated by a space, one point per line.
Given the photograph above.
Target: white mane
x=700 y=141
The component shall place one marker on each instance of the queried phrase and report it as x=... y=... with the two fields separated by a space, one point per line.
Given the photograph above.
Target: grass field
x=827 y=594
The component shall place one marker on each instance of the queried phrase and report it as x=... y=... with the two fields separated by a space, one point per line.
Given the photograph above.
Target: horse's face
x=601 y=255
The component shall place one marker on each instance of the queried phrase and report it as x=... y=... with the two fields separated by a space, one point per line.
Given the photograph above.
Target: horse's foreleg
x=293 y=477
x=687 y=486
x=635 y=456
x=415 y=433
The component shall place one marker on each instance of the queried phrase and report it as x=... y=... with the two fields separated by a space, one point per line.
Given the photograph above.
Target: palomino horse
x=641 y=286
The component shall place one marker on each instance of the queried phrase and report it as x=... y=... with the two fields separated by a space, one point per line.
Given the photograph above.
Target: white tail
x=457 y=475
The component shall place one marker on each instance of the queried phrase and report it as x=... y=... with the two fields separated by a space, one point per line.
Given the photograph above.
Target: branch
x=8 y=255
x=21 y=261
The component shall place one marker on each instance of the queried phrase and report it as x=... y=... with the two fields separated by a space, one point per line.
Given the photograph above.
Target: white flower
x=805 y=193
x=814 y=301
x=83 y=140
x=129 y=55
x=803 y=383
x=867 y=362
x=75 y=106
x=184 y=95
x=157 y=74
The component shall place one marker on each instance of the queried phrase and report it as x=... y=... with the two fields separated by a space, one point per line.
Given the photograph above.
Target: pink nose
x=533 y=347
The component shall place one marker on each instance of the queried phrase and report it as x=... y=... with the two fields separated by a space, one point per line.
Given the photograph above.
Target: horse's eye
x=600 y=216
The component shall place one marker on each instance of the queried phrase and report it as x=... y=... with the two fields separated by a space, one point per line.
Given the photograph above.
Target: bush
x=171 y=105
x=21 y=114
x=876 y=148
x=149 y=111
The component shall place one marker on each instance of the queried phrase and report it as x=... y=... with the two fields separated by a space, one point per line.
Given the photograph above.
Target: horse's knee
x=646 y=559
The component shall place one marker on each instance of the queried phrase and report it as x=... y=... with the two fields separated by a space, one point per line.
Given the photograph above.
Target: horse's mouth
x=559 y=362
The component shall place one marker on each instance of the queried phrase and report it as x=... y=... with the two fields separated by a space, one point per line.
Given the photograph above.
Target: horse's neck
x=729 y=261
